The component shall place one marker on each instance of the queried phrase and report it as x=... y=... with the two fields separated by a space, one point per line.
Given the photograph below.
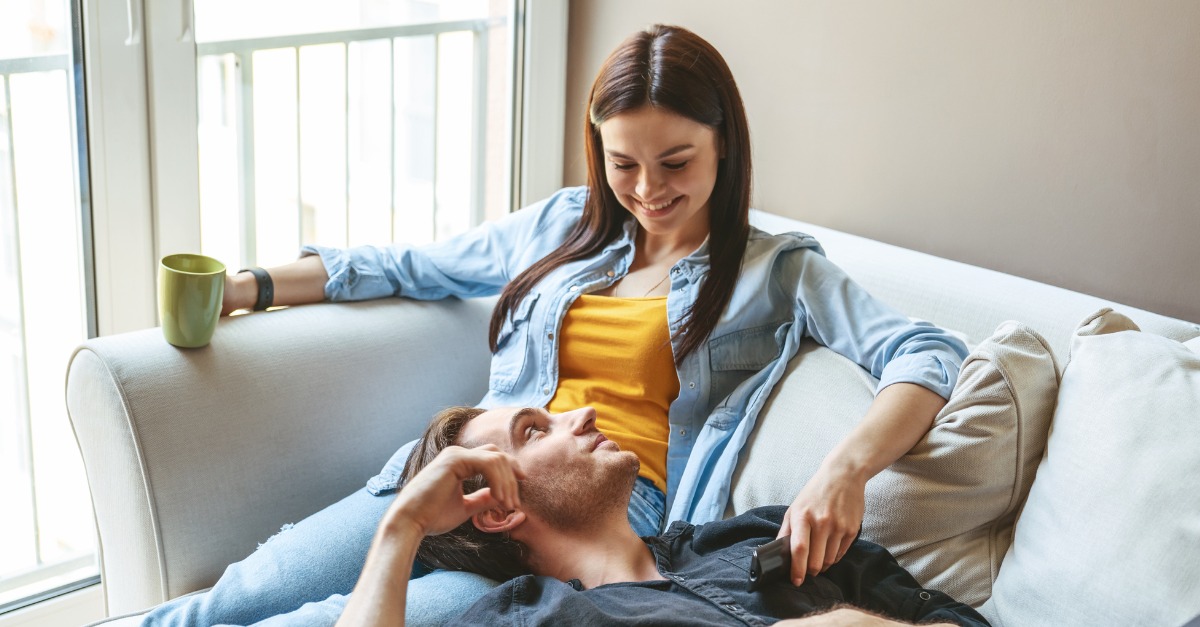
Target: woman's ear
x=497 y=520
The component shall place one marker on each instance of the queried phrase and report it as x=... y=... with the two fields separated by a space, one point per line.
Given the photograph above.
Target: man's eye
x=675 y=166
x=532 y=429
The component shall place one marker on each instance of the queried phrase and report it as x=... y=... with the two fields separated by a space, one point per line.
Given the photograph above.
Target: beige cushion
x=1110 y=534
x=945 y=509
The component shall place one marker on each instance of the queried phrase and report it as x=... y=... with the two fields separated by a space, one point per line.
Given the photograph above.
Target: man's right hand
x=430 y=504
x=433 y=501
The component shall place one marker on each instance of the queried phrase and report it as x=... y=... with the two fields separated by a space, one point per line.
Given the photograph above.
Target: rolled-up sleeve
x=840 y=314
x=476 y=263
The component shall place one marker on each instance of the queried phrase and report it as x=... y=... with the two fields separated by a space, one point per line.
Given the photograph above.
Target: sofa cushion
x=946 y=509
x=1110 y=534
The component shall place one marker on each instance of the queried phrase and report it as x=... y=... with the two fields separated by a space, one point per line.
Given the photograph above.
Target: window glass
x=46 y=531
x=347 y=123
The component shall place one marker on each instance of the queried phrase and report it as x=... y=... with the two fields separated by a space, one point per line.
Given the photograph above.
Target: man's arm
x=432 y=503
x=848 y=617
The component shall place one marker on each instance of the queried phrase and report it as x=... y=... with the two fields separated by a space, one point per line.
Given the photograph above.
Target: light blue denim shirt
x=787 y=290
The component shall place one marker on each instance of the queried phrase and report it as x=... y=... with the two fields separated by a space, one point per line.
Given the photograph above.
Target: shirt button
x=692 y=385
x=732 y=607
x=674 y=270
x=925 y=596
x=550 y=336
x=610 y=273
x=574 y=288
x=545 y=390
x=683 y=432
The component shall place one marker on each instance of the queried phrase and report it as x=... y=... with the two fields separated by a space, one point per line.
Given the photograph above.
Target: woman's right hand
x=240 y=292
x=296 y=283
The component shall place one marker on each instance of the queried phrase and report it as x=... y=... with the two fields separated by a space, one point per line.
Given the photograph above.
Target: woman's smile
x=662 y=168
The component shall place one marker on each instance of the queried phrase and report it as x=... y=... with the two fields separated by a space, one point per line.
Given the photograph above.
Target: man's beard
x=570 y=502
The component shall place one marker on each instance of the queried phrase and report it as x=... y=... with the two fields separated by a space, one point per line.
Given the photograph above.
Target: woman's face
x=662 y=168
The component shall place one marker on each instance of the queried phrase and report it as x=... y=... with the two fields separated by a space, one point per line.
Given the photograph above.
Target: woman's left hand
x=823 y=522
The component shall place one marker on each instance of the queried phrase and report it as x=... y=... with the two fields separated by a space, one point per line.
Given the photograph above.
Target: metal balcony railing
x=243 y=52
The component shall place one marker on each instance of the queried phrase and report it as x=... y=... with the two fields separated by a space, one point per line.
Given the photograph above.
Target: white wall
x=1058 y=141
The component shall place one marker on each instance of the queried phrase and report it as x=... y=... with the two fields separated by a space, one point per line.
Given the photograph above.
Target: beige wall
x=1058 y=141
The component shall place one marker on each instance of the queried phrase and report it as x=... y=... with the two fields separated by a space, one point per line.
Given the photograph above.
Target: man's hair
x=465 y=547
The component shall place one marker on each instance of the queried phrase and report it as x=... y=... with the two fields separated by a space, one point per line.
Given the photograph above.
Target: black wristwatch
x=266 y=288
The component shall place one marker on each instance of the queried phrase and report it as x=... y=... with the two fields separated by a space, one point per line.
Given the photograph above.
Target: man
x=540 y=497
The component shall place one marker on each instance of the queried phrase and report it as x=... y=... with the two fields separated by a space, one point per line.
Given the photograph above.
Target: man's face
x=572 y=470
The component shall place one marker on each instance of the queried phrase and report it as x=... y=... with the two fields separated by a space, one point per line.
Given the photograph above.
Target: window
x=349 y=123
x=240 y=130
x=46 y=536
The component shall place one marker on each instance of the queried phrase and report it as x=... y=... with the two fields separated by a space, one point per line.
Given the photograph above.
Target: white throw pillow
x=946 y=509
x=1110 y=533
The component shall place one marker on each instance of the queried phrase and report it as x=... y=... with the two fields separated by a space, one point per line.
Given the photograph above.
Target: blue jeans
x=303 y=574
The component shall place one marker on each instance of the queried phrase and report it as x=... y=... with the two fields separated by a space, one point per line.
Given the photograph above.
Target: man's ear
x=497 y=520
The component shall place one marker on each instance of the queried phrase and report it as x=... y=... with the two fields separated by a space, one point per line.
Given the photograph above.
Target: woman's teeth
x=659 y=207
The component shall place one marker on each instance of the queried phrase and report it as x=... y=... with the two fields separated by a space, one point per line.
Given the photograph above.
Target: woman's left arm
x=825 y=517
x=917 y=365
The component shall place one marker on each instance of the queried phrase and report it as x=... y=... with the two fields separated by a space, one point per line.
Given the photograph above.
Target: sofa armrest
x=194 y=456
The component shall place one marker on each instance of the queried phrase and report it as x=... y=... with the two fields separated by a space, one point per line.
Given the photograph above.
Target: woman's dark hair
x=465 y=547
x=671 y=68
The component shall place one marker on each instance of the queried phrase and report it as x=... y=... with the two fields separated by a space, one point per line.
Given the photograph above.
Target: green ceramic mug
x=190 y=289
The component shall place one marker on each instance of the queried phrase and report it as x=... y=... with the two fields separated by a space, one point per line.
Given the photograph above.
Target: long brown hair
x=672 y=68
x=465 y=547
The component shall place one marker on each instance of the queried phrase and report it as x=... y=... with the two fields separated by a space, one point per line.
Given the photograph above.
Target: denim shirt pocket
x=512 y=347
x=735 y=357
x=738 y=557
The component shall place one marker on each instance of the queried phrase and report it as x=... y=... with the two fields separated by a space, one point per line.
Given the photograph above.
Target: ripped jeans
x=303 y=574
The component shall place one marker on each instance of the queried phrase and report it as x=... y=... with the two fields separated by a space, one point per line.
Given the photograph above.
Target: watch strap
x=266 y=288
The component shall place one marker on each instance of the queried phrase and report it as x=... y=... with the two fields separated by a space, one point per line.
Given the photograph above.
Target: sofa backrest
x=963 y=297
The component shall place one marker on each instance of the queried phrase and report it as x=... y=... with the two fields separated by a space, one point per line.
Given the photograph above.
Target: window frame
x=142 y=192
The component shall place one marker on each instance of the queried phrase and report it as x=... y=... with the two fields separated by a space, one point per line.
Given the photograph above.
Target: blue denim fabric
x=303 y=575
x=432 y=600
x=320 y=556
x=787 y=291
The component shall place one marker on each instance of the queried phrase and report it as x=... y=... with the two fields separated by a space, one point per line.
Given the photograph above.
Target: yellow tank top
x=615 y=356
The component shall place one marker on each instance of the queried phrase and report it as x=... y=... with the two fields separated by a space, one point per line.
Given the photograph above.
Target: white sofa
x=195 y=456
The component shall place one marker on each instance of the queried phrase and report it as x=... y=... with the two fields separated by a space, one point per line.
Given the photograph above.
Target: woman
x=646 y=295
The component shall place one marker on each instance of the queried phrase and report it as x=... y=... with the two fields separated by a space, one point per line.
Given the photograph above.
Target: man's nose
x=581 y=420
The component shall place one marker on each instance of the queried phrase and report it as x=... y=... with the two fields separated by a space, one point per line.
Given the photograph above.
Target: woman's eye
x=675 y=166
x=622 y=166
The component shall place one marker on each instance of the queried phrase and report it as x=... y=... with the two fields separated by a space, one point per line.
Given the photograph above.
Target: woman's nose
x=647 y=184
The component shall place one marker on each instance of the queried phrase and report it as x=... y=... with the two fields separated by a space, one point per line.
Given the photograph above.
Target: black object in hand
x=770 y=562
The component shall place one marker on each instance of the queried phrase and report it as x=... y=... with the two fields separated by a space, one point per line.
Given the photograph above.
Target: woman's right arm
x=476 y=263
x=296 y=283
